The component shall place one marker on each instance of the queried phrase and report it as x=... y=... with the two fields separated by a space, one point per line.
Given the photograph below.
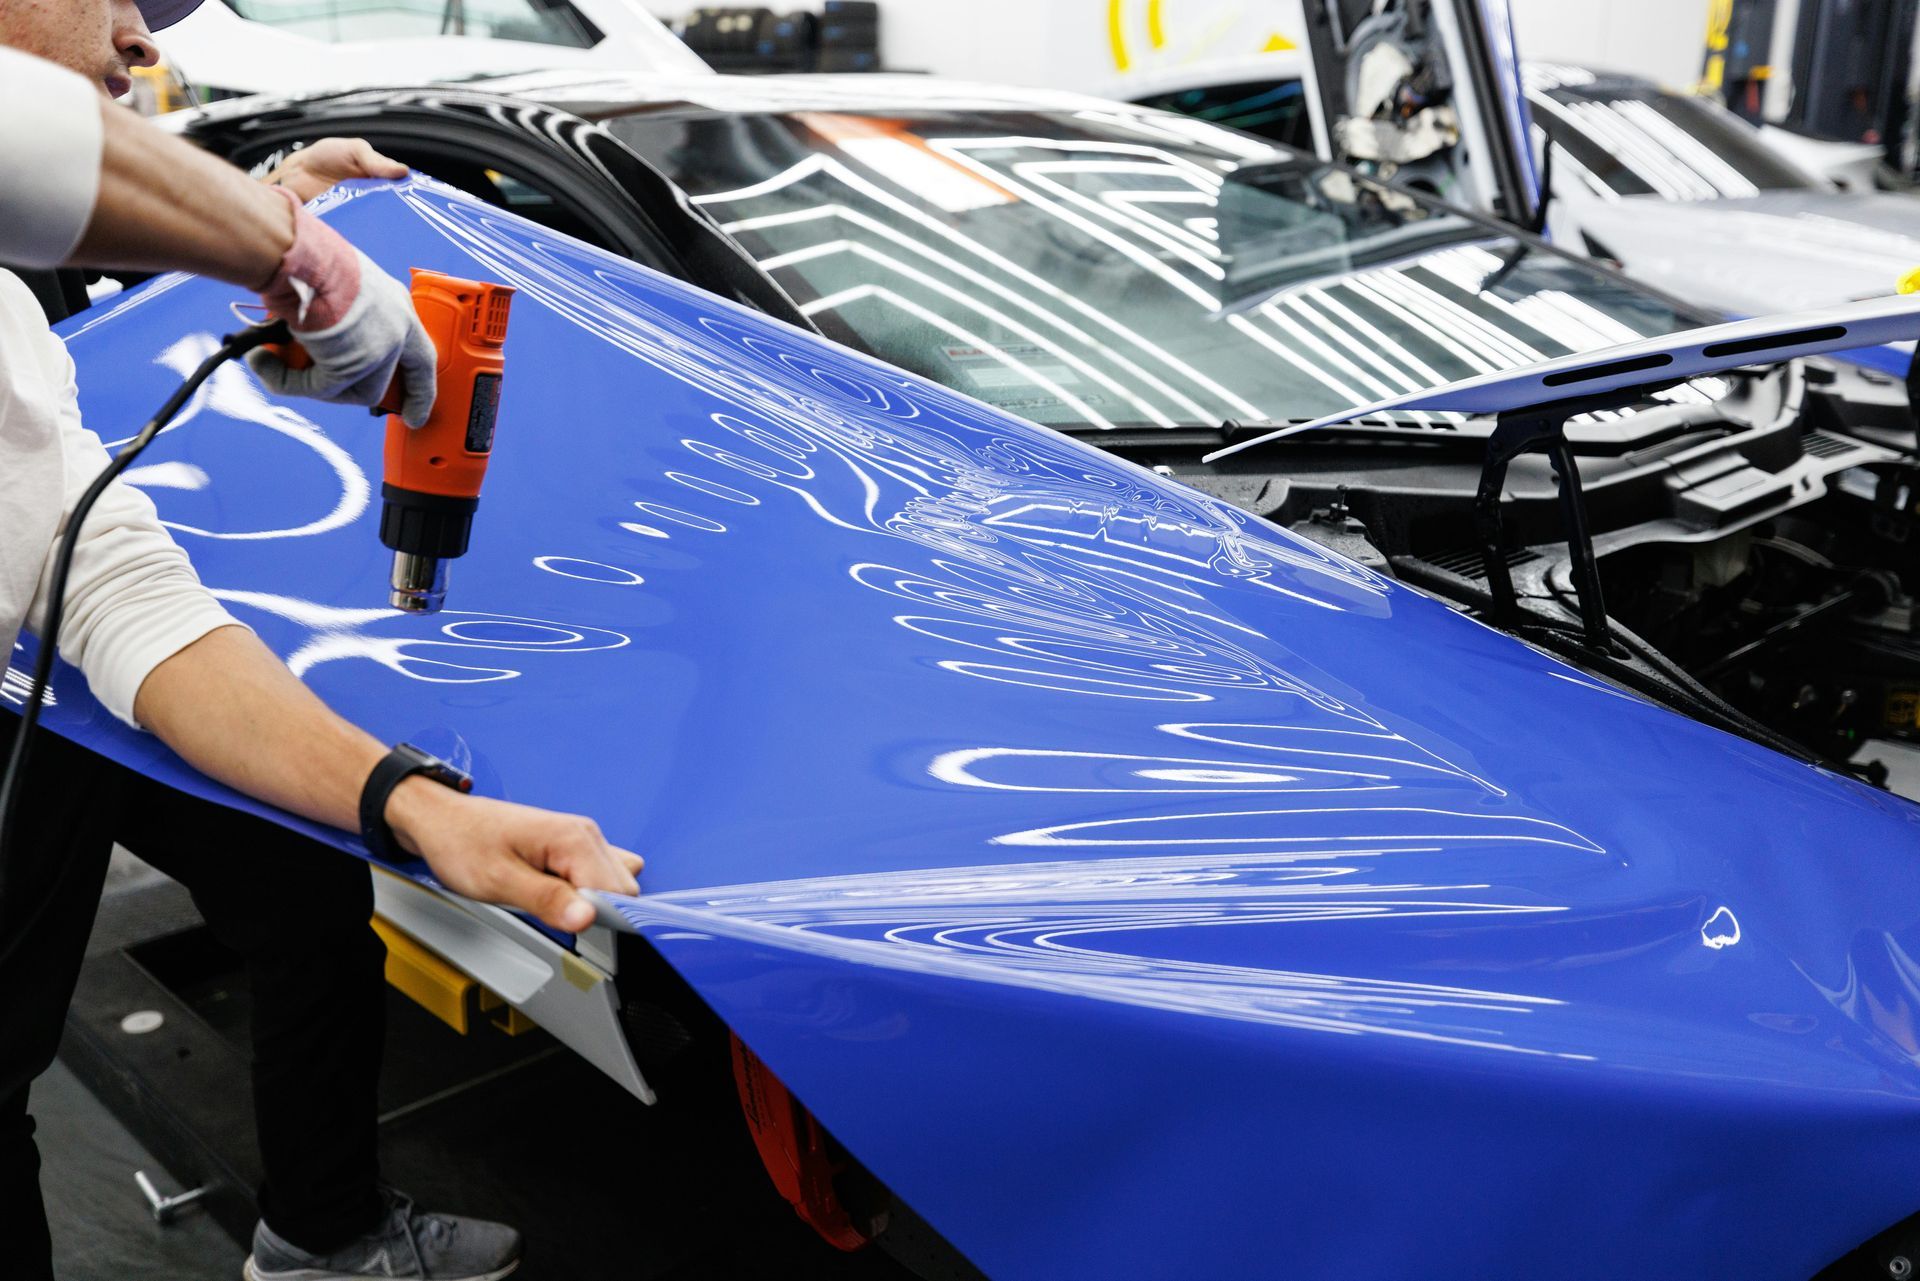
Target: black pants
x=297 y=912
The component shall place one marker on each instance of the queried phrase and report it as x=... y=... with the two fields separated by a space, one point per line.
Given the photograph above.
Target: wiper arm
x=1666 y=360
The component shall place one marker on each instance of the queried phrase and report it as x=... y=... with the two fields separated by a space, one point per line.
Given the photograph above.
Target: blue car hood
x=1138 y=889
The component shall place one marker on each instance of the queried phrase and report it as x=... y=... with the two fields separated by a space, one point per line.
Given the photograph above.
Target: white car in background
x=1679 y=191
x=1687 y=196
x=1851 y=166
x=305 y=46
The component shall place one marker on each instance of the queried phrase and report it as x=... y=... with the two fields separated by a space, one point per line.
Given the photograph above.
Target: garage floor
x=100 y=1224
x=668 y=1193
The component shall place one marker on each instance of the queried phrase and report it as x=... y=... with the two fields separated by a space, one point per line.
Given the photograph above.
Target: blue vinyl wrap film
x=1139 y=890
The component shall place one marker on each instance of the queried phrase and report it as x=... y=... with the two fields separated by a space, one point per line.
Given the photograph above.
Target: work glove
x=355 y=321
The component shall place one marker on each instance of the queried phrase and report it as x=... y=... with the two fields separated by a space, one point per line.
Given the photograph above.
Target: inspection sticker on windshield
x=1014 y=365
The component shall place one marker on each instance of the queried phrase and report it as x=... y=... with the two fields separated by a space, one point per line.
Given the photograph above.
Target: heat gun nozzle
x=419 y=583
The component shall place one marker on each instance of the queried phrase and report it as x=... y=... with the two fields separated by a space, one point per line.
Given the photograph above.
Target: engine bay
x=1756 y=542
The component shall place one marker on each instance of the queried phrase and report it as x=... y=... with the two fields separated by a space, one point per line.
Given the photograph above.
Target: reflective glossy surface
x=1622 y=369
x=1137 y=889
x=1105 y=267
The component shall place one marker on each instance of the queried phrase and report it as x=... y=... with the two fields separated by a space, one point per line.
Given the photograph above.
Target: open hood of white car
x=1821 y=248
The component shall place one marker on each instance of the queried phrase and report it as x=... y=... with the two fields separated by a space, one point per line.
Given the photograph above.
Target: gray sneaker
x=407 y=1243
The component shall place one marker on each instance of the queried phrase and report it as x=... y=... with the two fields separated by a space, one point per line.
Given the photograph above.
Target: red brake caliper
x=794 y=1149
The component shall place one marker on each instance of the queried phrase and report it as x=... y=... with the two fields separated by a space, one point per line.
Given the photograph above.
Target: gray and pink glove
x=353 y=319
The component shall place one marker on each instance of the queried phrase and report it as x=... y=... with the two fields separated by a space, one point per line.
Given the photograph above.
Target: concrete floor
x=99 y=1220
x=101 y=1228
x=645 y=1199
x=668 y=1193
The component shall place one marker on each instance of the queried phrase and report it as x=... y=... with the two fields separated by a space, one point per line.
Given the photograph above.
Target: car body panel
x=1818 y=247
x=1853 y=166
x=1627 y=369
x=1743 y=243
x=1136 y=888
x=814 y=91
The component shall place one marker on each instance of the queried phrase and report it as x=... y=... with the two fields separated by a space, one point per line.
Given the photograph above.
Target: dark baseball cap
x=164 y=13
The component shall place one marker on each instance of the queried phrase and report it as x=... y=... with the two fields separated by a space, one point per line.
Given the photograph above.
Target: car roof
x=1544 y=77
x=797 y=92
x=598 y=94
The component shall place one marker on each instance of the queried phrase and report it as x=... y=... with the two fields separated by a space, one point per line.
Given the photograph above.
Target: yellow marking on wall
x=1126 y=26
x=1713 y=76
x=1719 y=18
x=1117 y=34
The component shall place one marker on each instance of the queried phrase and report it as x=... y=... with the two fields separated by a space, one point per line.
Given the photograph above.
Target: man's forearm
x=235 y=713
x=165 y=205
x=228 y=706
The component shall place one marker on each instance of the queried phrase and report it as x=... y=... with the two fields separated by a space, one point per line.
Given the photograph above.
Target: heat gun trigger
x=275 y=336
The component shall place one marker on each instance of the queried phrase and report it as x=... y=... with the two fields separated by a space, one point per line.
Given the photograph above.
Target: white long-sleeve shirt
x=133 y=600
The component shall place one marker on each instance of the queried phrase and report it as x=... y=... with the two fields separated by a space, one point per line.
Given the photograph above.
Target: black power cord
x=231 y=346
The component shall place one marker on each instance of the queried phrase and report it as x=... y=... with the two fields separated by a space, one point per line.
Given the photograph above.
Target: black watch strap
x=403 y=762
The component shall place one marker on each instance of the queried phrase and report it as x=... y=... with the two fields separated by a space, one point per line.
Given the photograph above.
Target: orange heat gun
x=434 y=472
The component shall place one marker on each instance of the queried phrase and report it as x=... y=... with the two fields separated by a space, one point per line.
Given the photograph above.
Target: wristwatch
x=402 y=763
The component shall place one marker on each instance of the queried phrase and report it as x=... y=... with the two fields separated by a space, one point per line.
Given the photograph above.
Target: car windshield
x=1636 y=140
x=1112 y=268
x=1274 y=109
x=533 y=21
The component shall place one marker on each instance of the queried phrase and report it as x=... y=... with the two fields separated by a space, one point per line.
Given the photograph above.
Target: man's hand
x=499 y=852
x=314 y=169
x=354 y=321
x=234 y=712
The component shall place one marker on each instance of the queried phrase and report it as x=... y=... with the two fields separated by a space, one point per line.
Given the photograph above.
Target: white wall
x=1060 y=44
x=1070 y=44
x=1664 y=40
x=1078 y=44
x=1035 y=42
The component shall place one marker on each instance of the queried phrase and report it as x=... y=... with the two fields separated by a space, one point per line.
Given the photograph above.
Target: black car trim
x=631 y=207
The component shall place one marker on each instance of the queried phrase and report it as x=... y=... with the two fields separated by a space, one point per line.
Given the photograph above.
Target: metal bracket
x=568 y=995
x=166 y=1209
x=1515 y=434
x=1544 y=426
